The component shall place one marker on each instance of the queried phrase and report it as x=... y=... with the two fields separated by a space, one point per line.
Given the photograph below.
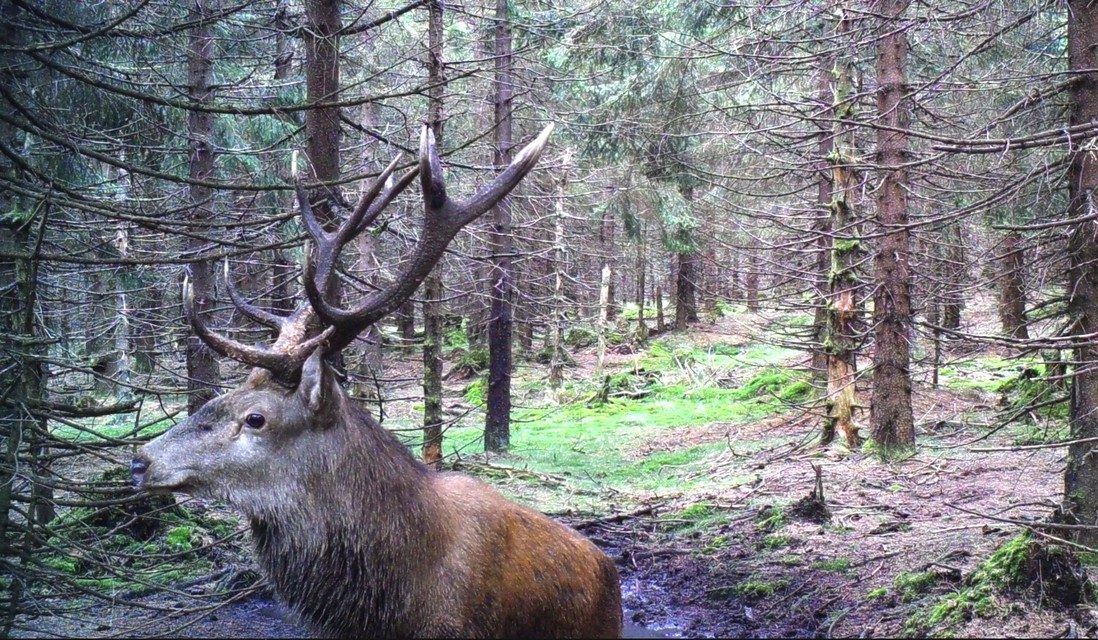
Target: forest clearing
x=410 y=318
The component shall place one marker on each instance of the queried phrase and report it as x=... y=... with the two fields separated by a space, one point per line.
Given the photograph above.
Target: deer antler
x=443 y=218
x=284 y=358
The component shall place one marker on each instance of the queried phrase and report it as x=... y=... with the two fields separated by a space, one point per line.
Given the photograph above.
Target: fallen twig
x=616 y=517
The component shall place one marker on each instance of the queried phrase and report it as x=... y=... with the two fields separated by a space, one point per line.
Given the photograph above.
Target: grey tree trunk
x=203 y=374
x=953 y=301
x=497 y=425
x=1012 y=287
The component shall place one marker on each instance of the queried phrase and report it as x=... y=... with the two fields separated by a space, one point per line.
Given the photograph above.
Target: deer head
x=243 y=441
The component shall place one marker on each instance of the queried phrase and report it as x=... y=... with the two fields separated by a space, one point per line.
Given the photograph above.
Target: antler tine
x=321 y=264
x=443 y=218
x=286 y=365
x=315 y=229
x=349 y=228
x=489 y=195
x=387 y=196
x=262 y=316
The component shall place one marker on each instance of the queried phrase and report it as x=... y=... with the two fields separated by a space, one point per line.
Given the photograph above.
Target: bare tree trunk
x=497 y=426
x=953 y=298
x=752 y=281
x=322 y=128
x=686 y=304
x=608 y=246
x=203 y=375
x=934 y=303
x=642 y=269
x=1012 y=292
x=825 y=94
x=557 y=356
x=406 y=322
x=891 y=414
x=734 y=275
x=604 y=318
x=22 y=385
x=661 y=323
x=707 y=290
x=432 y=286
x=1081 y=474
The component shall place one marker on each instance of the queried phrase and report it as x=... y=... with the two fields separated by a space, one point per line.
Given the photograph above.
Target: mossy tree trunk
x=557 y=316
x=840 y=340
x=604 y=318
x=608 y=232
x=642 y=270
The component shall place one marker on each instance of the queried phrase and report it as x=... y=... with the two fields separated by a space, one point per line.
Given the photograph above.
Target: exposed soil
x=925 y=514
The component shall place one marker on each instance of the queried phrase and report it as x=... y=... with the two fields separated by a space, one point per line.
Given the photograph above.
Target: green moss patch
x=1052 y=574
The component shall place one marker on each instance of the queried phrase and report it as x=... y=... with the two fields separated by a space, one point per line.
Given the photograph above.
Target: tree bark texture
x=1081 y=474
x=686 y=300
x=1012 y=287
x=891 y=416
x=203 y=374
x=840 y=341
x=497 y=426
x=432 y=286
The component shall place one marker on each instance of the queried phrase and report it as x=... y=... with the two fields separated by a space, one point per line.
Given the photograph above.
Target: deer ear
x=312 y=380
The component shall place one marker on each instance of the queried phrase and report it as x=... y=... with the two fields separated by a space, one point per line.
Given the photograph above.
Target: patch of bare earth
x=928 y=513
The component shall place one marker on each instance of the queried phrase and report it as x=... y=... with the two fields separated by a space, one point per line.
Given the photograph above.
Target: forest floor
x=687 y=474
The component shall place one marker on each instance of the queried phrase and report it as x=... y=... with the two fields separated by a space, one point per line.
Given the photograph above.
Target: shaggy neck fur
x=346 y=543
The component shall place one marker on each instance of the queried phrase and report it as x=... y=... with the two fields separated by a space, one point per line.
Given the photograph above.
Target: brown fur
x=360 y=539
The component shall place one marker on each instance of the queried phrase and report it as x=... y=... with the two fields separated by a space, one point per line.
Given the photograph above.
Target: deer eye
x=255 y=421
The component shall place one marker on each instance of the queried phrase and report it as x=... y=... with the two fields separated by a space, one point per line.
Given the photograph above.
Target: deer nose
x=138 y=467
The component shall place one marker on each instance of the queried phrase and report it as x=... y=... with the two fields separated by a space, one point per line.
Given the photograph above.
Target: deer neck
x=363 y=509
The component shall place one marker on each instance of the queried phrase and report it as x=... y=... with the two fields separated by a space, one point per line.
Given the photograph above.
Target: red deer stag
x=356 y=535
